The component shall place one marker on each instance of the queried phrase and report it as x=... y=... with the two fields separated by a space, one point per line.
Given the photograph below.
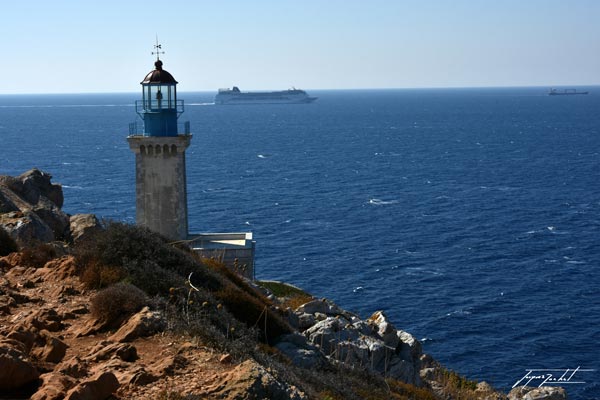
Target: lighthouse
x=159 y=147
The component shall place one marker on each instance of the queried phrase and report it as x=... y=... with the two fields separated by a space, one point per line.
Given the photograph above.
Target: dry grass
x=98 y=276
x=291 y=296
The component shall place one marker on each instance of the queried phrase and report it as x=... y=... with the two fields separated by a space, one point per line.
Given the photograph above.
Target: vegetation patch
x=37 y=254
x=117 y=302
x=133 y=254
x=291 y=296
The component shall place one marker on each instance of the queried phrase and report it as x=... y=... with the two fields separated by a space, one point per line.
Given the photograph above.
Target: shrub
x=117 y=302
x=98 y=276
x=408 y=391
x=7 y=243
x=149 y=276
x=199 y=314
x=253 y=312
x=146 y=257
x=37 y=254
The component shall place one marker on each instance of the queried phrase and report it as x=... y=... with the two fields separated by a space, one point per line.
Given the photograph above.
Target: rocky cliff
x=92 y=312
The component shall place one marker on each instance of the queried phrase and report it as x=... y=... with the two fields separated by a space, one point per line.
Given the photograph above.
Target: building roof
x=159 y=75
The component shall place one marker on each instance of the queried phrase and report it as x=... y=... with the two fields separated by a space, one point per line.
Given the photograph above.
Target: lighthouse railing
x=137 y=129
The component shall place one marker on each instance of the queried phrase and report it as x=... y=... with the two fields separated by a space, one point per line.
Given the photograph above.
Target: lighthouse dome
x=159 y=75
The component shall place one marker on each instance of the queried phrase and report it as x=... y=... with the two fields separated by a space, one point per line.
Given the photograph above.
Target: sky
x=73 y=46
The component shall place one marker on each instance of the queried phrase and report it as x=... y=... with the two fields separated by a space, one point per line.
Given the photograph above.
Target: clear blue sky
x=64 y=46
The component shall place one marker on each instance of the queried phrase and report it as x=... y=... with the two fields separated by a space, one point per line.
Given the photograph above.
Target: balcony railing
x=137 y=129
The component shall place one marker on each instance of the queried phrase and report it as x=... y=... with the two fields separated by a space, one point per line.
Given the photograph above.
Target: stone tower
x=161 y=194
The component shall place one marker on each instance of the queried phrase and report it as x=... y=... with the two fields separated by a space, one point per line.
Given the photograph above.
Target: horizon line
x=323 y=89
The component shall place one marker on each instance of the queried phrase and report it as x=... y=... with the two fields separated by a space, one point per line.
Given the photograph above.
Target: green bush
x=7 y=243
x=117 y=302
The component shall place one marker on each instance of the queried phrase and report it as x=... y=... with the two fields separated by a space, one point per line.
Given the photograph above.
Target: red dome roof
x=159 y=75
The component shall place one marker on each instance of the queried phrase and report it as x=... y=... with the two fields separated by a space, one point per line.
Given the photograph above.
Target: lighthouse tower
x=161 y=194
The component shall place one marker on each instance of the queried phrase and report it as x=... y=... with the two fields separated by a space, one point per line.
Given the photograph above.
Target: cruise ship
x=566 y=92
x=235 y=96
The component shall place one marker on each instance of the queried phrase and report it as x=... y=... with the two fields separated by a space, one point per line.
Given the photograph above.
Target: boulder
x=83 y=226
x=53 y=349
x=99 y=387
x=30 y=208
x=26 y=227
x=404 y=371
x=250 y=380
x=57 y=270
x=24 y=334
x=90 y=327
x=54 y=217
x=299 y=351
x=409 y=345
x=74 y=367
x=6 y=204
x=105 y=350
x=6 y=303
x=327 y=333
x=137 y=376
x=322 y=306
x=54 y=386
x=15 y=370
x=47 y=319
x=384 y=329
x=305 y=321
x=34 y=184
x=169 y=364
x=144 y=323
x=537 y=393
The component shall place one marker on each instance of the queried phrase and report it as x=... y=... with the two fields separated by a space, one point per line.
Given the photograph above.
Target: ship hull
x=566 y=92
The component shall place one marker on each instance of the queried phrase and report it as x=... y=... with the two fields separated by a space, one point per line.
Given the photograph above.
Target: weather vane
x=157 y=49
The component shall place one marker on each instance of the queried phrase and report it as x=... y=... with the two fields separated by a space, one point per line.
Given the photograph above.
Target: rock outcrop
x=250 y=380
x=537 y=393
x=16 y=367
x=144 y=323
x=30 y=210
x=30 y=205
x=374 y=344
x=82 y=226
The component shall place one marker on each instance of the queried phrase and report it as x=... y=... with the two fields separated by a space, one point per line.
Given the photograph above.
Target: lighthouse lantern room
x=159 y=107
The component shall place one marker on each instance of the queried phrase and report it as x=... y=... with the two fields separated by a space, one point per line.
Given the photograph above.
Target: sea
x=470 y=216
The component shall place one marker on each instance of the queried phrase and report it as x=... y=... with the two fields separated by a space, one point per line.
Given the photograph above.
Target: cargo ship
x=566 y=92
x=235 y=96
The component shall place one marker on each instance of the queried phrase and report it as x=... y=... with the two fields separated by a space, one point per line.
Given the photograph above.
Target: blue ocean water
x=471 y=216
